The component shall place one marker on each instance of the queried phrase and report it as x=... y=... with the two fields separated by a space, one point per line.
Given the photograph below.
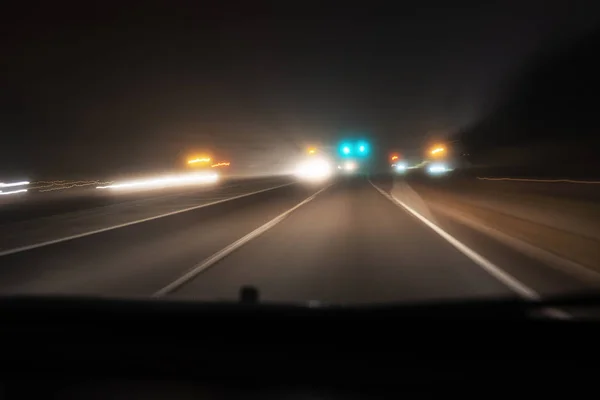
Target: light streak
x=199 y=160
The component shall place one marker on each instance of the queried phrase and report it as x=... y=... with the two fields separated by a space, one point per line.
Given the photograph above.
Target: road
x=344 y=241
x=39 y=204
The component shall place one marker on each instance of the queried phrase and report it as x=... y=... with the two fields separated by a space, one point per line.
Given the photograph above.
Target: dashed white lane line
x=219 y=255
x=515 y=285
x=80 y=235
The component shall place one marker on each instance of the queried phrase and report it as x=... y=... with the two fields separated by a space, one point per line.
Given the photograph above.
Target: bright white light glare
x=401 y=167
x=361 y=148
x=2 y=193
x=437 y=169
x=2 y=184
x=165 y=181
x=314 y=170
x=350 y=166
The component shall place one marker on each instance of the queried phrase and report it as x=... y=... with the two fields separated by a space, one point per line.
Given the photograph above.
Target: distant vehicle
x=349 y=166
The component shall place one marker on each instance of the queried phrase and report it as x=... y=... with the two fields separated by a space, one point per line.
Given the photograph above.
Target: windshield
x=341 y=155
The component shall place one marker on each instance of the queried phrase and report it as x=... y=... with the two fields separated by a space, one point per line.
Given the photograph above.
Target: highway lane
x=66 y=215
x=138 y=259
x=34 y=204
x=349 y=245
x=344 y=243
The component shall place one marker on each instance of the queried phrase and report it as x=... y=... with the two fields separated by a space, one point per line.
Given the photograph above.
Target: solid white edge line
x=80 y=235
x=512 y=283
x=495 y=271
x=553 y=260
x=219 y=255
x=539 y=180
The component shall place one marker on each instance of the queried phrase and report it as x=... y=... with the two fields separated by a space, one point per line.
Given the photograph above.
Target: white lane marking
x=539 y=180
x=219 y=255
x=80 y=235
x=551 y=259
x=495 y=271
x=402 y=190
x=516 y=286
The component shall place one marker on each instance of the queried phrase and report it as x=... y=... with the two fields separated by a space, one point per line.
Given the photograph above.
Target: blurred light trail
x=165 y=181
x=221 y=164
x=50 y=186
x=199 y=160
x=437 y=151
x=10 y=185
x=3 y=193
x=13 y=184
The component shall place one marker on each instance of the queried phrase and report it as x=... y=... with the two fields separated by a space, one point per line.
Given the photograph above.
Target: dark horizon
x=94 y=92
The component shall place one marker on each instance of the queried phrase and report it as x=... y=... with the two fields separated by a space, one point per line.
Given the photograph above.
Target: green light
x=363 y=148
x=352 y=148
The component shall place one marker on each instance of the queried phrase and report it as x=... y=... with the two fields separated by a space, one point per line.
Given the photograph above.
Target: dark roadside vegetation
x=545 y=122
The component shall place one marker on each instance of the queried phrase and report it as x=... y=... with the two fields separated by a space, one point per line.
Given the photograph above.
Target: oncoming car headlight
x=350 y=166
x=400 y=167
x=438 y=168
x=314 y=170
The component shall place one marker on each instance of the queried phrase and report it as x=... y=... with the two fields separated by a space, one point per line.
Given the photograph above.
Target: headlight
x=161 y=182
x=401 y=167
x=436 y=169
x=314 y=170
x=350 y=166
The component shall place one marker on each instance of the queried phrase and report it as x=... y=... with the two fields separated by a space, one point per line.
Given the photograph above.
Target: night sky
x=95 y=90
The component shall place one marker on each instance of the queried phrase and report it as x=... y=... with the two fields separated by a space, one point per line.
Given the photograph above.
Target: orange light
x=221 y=164
x=199 y=160
x=394 y=158
x=438 y=150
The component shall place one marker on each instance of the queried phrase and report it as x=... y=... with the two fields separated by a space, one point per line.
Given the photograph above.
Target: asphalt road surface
x=344 y=241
